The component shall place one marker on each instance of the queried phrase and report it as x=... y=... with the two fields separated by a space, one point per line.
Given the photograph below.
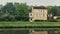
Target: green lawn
x=21 y=23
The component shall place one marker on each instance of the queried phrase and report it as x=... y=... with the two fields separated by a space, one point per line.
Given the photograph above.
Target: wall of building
x=39 y=14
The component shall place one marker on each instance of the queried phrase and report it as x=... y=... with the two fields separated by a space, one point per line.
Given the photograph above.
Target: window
x=37 y=14
x=43 y=13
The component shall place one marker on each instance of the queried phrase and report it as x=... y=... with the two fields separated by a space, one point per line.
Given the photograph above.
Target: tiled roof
x=39 y=7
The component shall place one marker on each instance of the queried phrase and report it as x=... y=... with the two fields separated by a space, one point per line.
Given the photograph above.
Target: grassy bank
x=26 y=23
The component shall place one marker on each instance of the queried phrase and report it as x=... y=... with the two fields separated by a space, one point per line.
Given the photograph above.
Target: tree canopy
x=16 y=11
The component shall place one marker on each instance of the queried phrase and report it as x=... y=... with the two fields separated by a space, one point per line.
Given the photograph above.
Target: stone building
x=38 y=13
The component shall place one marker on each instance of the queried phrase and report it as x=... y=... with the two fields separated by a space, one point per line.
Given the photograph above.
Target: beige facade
x=38 y=13
x=40 y=32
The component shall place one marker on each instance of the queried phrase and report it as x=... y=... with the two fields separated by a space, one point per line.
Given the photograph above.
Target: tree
x=16 y=11
x=55 y=10
x=49 y=9
x=58 y=11
x=8 y=10
x=22 y=10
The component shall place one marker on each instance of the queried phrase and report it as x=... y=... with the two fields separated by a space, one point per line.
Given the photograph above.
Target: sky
x=34 y=2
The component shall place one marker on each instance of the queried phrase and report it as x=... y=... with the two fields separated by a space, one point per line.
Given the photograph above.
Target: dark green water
x=14 y=32
x=26 y=31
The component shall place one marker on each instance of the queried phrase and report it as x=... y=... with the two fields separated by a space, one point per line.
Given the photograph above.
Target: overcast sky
x=34 y=2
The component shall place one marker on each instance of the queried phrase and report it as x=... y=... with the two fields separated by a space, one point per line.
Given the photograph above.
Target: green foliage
x=22 y=10
x=13 y=12
x=49 y=8
x=55 y=10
